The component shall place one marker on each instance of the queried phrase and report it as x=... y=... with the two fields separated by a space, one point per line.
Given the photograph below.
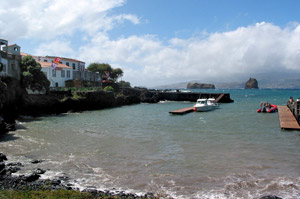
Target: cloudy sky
x=159 y=42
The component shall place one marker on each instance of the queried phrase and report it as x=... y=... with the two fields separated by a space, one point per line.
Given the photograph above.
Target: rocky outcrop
x=33 y=182
x=251 y=84
x=194 y=85
x=10 y=98
x=149 y=97
x=62 y=102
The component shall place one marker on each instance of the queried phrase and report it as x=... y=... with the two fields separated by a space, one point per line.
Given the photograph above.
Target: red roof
x=66 y=59
x=24 y=54
x=48 y=64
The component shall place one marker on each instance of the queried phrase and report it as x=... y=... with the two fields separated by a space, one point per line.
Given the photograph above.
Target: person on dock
x=291 y=101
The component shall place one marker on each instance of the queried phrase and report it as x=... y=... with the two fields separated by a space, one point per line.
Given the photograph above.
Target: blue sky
x=159 y=42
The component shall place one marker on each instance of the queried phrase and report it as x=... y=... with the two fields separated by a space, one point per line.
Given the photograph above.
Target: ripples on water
x=232 y=152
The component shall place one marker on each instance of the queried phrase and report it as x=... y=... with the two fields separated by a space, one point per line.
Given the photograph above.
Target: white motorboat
x=206 y=104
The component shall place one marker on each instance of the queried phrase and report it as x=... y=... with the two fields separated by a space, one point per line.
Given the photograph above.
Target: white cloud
x=147 y=60
x=46 y=19
x=123 y=17
x=55 y=48
x=259 y=48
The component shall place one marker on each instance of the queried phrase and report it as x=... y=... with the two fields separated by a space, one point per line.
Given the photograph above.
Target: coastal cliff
x=14 y=102
x=62 y=102
x=10 y=99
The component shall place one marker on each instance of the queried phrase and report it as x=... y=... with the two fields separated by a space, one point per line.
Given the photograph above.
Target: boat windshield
x=201 y=102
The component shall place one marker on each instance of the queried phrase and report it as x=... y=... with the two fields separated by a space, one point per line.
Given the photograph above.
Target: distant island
x=194 y=85
x=251 y=84
x=277 y=81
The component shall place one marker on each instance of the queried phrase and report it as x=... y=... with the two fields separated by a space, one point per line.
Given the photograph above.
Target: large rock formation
x=194 y=85
x=10 y=100
x=251 y=83
x=62 y=102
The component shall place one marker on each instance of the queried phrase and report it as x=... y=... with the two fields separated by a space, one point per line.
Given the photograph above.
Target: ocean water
x=231 y=152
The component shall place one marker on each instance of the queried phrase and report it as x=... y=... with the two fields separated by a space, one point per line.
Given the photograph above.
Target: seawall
x=62 y=102
x=156 y=96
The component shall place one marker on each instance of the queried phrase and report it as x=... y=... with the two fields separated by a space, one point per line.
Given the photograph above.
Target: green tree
x=116 y=73
x=32 y=75
x=124 y=84
x=97 y=67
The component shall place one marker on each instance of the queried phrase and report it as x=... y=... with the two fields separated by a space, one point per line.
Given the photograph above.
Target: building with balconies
x=10 y=60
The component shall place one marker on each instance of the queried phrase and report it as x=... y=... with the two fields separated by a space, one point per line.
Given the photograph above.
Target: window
x=3 y=69
x=67 y=63
x=45 y=60
x=63 y=73
x=73 y=66
x=16 y=49
x=60 y=62
x=68 y=74
x=53 y=73
x=13 y=67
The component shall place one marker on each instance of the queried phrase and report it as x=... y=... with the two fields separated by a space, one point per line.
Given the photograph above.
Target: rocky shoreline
x=32 y=182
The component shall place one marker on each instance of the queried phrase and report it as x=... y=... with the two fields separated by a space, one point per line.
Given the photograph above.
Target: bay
x=231 y=152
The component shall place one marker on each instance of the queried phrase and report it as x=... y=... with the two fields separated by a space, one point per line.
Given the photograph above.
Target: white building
x=77 y=73
x=57 y=76
x=74 y=63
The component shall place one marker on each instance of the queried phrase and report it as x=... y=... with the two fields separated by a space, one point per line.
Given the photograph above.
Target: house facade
x=75 y=64
x=79 y=72
x=70 y=71
x=57 y=76
x=10 y=60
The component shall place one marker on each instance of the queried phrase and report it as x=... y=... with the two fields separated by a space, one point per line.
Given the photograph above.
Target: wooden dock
x=191 y=109
x=182 y=111
x=287 y=119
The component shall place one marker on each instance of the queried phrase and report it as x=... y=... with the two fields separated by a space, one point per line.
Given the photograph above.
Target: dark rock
x=10 y=101
x=14 y=164
x=2 y=157
x=194 y=85
x=149 y=97
x=31 y=177
x=2 y=166
x=55 y=182
x=13 y=169
x=251 y=84
x=270 y=197
x=36 y=161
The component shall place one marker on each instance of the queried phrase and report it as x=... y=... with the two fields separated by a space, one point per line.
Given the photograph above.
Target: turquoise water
x=231 y=152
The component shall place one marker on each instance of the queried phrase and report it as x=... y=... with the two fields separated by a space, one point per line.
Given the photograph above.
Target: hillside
x=263 y=83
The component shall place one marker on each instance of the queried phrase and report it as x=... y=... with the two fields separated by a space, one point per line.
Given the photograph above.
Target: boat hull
x=204 y=108
x=273 y=108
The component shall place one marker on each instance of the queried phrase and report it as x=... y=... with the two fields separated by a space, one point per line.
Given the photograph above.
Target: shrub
x=109 y=88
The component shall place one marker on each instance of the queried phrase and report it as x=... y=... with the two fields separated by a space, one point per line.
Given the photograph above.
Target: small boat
x=206 y=105
x=267 y=108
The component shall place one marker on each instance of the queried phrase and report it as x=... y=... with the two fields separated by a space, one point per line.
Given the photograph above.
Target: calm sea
x=231 y=152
